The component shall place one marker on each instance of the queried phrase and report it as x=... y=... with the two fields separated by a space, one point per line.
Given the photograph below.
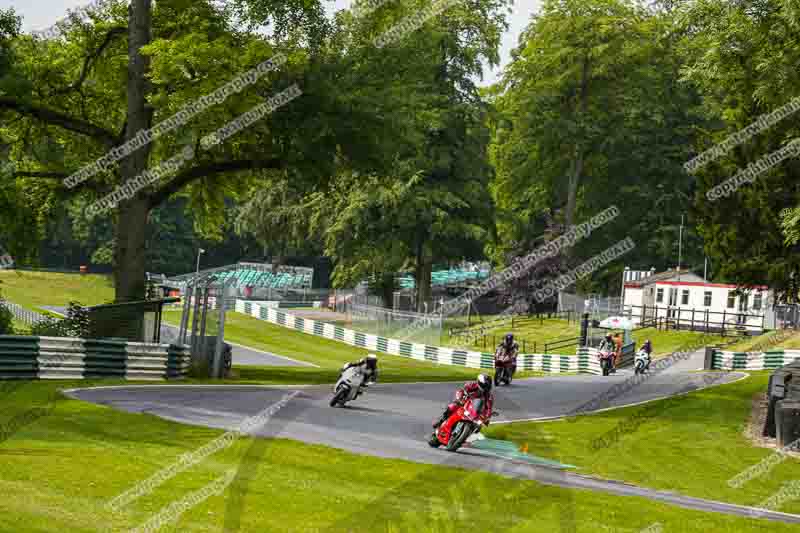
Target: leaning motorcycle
x=641 y=362
x=348 y=386
x=503 y=366
x=606 y=361
x=465 y=421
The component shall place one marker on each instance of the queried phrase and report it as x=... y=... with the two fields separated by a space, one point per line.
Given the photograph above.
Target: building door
x=673 y=301
x=741 y=318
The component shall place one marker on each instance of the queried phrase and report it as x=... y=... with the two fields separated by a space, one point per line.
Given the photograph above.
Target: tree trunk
x=130 y=250
x=577 y=166
x=422 y=275
x=132 y=218
x=387 y=290
x=574 y=184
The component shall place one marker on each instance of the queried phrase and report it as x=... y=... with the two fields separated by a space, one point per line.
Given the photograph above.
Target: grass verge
x=59 y=471
x=691 y=444
x=34 y=289
x=329 y=355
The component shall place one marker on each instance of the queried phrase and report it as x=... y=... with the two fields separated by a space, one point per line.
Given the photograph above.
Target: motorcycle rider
x=481 y=388
x=647 y=348
x=608 y=345
x=509 y=348
x=369 y=369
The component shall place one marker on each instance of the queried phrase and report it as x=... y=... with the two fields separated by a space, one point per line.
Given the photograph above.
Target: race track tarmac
x=393 y=420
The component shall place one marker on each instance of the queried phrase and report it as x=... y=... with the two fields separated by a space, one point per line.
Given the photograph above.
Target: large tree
x=591 y=113
x=130 y=67
x=743 y=58
x=423 y=196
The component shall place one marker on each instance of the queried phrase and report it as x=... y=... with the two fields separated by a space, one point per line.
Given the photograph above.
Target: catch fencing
x=598 y=307
x=386 y=323
x=27 y=317
x=582 y=362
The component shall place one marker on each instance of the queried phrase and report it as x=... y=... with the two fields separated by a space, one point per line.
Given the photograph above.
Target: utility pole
x=680 y=248
x=622 y=290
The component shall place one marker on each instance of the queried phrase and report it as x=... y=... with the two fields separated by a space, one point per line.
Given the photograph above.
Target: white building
x=684 y=299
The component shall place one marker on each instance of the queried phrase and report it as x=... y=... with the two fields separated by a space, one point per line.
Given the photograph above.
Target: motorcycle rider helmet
x=485 y=382
x=509 y=340
x=372 y=361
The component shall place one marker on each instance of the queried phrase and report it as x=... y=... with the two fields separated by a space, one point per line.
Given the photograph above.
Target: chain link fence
x=598 y=307
x=29 y=318
x=426 y=329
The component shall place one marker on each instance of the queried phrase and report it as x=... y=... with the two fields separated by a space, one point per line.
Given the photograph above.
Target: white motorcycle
x=348 y=387
x=641 y=362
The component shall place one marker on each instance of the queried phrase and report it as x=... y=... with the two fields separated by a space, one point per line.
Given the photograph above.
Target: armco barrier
x=721 y=360
x=72 y=358
x=582 y=362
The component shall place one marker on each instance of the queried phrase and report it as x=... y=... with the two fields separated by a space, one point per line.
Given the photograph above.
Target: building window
x=757 y=301
x=731 y=300
x=707 y=298
x=660 y=296
x=685 y=297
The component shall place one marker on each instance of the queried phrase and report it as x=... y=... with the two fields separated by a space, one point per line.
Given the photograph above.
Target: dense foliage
x=392 y=158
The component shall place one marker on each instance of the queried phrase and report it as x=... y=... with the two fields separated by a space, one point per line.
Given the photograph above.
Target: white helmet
x=485 y=382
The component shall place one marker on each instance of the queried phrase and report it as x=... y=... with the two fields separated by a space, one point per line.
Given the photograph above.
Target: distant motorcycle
x=606 y=361
x=503 y=366
x=641 y=362
x=348 y=387
x=455 y=431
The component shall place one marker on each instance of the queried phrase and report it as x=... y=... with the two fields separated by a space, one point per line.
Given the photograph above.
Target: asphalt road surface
x=242 y=355
x=393 y=420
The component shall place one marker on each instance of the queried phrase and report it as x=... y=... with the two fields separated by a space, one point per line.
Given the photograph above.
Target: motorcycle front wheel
x=433 y=441
x=339 y=397
x=458 y=436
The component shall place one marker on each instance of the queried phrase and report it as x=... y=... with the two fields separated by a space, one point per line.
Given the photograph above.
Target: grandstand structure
x=252 y=278
x=452 y=278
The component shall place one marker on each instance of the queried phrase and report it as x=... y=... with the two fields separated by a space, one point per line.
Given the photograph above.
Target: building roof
x=688 y=279
x=668 y=275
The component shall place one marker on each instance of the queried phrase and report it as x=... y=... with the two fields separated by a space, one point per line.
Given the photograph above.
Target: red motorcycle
x=503 y=367
x=464 y=421
x=606 y=361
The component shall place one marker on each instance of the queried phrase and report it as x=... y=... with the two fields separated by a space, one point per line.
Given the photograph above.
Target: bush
x=50 y=327
x=75 y=325
x=6 y=317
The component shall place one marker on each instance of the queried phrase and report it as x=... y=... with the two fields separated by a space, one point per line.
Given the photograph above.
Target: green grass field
x=329 y=355
x=59 y=472
x=34 y=289
x=530 y=330
x=789 y=340
x=691 y=444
